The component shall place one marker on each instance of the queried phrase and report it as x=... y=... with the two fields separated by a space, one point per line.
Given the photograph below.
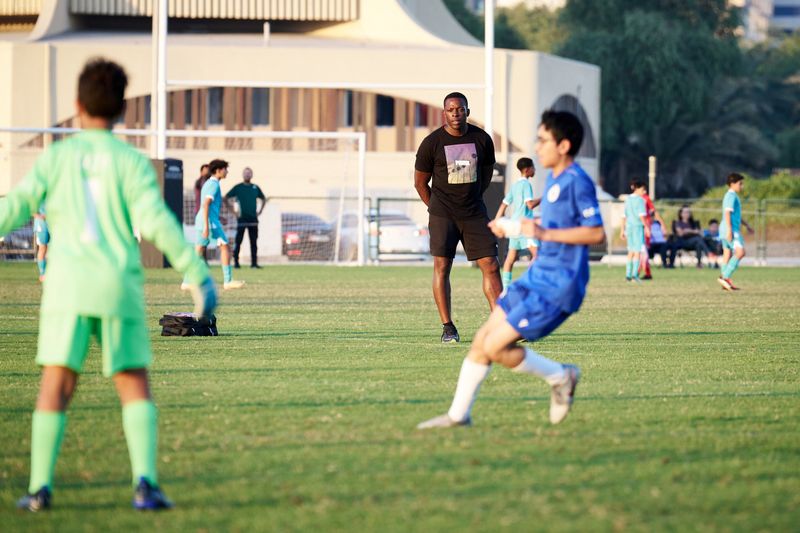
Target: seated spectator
x=658 y=243
x=686 y=235
x=713 y=242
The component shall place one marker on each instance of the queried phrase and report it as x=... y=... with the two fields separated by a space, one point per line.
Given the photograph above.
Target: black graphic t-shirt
x=456 y=163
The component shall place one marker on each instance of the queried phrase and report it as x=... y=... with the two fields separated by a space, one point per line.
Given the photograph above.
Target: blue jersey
x=731 y=203
x=518 y=197
x=211 y=189
x=561 y=271
x=634 y=211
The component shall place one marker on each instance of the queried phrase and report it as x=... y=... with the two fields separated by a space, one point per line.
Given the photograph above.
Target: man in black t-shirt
x=460 y=158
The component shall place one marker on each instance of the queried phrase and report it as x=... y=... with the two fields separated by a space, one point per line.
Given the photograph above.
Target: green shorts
x=635 y=236
x=64 y=341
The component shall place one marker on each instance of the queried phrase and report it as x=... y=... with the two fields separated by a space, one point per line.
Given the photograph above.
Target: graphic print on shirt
x=462 y=163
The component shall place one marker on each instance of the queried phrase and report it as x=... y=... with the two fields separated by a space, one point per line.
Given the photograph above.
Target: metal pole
x=161 y=80
x=488 y=49
x=362 y=192
x=652 y=175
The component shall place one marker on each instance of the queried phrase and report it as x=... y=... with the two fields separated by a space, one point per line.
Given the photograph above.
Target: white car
x=390 y=235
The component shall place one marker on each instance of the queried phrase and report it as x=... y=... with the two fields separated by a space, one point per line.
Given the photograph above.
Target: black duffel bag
x=186 y=325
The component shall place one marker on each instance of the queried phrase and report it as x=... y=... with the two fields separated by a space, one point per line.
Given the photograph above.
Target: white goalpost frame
x=161 y=83
x=359 y=137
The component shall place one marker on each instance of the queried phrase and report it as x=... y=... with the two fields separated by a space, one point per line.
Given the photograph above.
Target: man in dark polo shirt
x=459 y=157
x=247 y=194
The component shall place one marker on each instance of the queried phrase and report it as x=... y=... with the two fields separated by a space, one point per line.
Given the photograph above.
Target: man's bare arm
x=422 y=185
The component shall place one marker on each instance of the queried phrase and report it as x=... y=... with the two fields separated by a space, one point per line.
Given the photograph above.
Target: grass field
x=301 y=414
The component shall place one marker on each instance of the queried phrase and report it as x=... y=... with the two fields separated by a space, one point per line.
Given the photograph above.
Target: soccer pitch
x=301 y=415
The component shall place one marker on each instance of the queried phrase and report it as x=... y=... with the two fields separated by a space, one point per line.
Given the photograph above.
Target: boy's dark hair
x=101 y=88
x=524 y=162
x=455 y=95
x=564 y=125
x=636 y=183
x=216 y=164
x=204 y=165
x=713 y=221
x=734 y=177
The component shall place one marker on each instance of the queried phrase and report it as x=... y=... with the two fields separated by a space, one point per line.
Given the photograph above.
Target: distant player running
x=520 y=199
x=208 y=226
x=730 y=231
x=551 y=289
x=634 y=229
x=98 y=189
x=42 y=235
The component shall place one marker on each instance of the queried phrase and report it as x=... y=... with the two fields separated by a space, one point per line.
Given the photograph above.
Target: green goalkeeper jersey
x=98 y=189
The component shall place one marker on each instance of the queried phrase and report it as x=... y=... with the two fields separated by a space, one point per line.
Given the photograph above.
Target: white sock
x=539 y=365
x=469 y=381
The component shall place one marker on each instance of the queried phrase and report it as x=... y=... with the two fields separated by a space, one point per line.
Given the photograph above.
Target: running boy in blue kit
x=634 y=228
x=208 y=226
x=552 y=288
x=520 y=199
x=97 y=190
x=730 y=231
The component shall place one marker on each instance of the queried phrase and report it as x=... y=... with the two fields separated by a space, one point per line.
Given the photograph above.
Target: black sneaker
x=39 y=501
x=255 y=266
x=237 y=265
x=450 y=334
x=149 y=497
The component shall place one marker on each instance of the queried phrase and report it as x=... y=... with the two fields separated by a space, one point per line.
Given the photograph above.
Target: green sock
x=42 y=264
x=635 y=269
x=140 y=421
x=628 y=265
x=730 y=268
x=506 y=277
x=47 y=432
x=227 y=274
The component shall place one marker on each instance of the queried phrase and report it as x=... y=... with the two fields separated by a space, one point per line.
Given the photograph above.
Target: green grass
x=301 y=415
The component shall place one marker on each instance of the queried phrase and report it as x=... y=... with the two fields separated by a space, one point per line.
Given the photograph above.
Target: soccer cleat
x=562 y=394
x=237 y=265
x=41 y=278
x=648 y=277
x=38 y=501
x=185 y=287
x=725 y=283
x=443 y=421
x=628 y=279
x=733 y=287
x=450 y=334
x=233 y=284
x=147 y=497
x=255 y=266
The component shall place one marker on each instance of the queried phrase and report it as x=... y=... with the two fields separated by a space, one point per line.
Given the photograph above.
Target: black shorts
x=474 y=233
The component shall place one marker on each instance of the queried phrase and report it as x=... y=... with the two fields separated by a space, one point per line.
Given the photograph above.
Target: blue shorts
x=41 y=231
x=215 y=232
x=635 y=238
x=737 y=242
x=530 y=314
x=522 y=243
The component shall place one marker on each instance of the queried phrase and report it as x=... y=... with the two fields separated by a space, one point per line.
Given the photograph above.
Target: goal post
x=315 y=181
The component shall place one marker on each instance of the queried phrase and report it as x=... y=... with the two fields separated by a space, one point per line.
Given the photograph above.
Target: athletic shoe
x=236 y=265
x=637 y=281
x=628 y=280
x=443 y=421
x=147 y=497
x=233 y=284
x=450 y=334
x=648 y=277
x=730 y=282
x=255 y=266
x=41 y=278
x=562 y=394
x=726 y=284
x=38 y=501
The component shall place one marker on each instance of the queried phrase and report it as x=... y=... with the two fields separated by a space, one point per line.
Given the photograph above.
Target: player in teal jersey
x=42 y=235
x=730 y=231
x=208 y=225
x=634 y=228
x=98 y=189
x=520 y=199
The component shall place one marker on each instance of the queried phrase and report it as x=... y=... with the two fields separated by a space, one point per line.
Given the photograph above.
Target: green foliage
x=789 y=144
x=781 y=186
x=300 y=416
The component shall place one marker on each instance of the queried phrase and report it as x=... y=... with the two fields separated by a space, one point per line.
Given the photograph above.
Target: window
x=187 y=106
x=214 y=107
x=346 y=116
x=260 y=106
x=420 y=115
x=147 y=108
x=384 y=111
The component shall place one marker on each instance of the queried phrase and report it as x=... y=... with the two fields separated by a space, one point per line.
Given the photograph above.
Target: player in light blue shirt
x=208 y=226
x=730 y=231
x=550 y=290
x=520 y=199
x=42 y=234
x=635 y=228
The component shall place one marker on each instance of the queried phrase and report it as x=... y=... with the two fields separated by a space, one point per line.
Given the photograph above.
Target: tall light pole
x=488 y=50
x=158 y=116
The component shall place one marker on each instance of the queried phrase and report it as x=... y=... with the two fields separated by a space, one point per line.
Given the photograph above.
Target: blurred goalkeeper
x=98 y=189
x=553 y=287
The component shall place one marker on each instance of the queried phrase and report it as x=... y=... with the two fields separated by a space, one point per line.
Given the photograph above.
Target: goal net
x=313 y=183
